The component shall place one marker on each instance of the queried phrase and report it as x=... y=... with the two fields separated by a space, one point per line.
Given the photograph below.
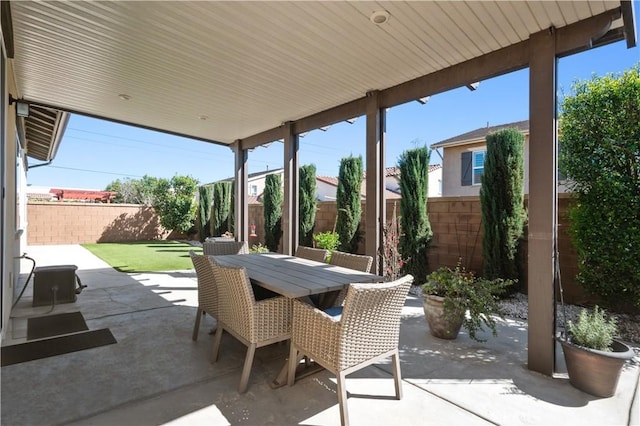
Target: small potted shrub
x=594 y=358
x=455 y=297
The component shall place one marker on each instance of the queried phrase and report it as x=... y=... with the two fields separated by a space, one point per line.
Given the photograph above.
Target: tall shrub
x=307 y=204
x=348 y=203
x=205 y=193
x=232 y=208
x=221 y=203
x=174 y=202
x=600 y=154
x=414 y=218
x=272 y=200
x=502 y=203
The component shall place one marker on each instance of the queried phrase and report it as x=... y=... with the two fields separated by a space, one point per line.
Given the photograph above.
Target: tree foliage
x=600 y=154
x=134 y=191
x=205 y=193
x=174 y=202
x=307 y=204
x=232 y=208
x=414 y=218
x=272 y=199
x=502 y=203
x=348 y=202
x=221 y=207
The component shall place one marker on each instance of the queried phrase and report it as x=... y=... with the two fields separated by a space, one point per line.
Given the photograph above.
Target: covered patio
x=156 y=374
x=244 y=74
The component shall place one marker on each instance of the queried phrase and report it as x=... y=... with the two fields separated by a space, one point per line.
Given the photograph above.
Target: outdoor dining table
x=295 y=277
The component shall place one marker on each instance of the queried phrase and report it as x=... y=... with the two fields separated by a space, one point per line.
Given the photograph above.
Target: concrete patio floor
x=156 y=374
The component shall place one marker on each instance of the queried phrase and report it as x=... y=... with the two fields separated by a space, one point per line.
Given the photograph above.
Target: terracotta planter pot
x=595 y=372
x=440 y=325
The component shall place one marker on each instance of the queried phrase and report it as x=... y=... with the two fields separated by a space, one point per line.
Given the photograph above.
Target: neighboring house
x=463 y=160
x=392 y=180
x=256 y=182
x=327 y=186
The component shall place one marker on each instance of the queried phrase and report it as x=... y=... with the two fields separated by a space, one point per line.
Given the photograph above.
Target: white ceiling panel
x=249 y=66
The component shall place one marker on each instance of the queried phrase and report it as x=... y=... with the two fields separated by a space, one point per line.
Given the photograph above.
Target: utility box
x=54 y=284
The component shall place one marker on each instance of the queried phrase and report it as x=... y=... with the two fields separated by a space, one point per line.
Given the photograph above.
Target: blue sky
x=94 y=153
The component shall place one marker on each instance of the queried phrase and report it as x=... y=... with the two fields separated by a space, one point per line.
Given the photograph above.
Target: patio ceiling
x=222 y=71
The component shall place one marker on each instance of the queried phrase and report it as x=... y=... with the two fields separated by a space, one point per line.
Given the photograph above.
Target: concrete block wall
x=77 y=223
x=455 y=221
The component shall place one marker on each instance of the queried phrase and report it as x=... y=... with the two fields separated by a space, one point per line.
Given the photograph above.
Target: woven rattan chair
x=255 y=324
x=319 y=255
x=366 y=332
x=352 y=261
x=215 y=248
x=207 y=290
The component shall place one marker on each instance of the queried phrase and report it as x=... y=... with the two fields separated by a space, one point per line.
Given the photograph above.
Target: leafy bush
x=414 y=218
x=307 y=204
x=327 y=240
x=600 y=154
x=593 y=330
x=273 y=198
x=462 y=292
x=348 y=201
x=258 y=248
x=502 y=203
x=174 y=202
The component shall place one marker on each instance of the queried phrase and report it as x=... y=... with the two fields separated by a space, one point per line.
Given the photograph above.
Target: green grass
x=145 y=256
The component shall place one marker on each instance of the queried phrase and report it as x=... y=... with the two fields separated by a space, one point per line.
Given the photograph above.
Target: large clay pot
x=441 y=326
x=595 y=372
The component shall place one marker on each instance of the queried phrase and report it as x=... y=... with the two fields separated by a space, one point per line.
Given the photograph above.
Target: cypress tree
x=272 y=200
x=502 y=203
x=221 y=201
x=414 y=218
x=348 y=203
x=232 y=208
x=204 y=211
x=308 y=204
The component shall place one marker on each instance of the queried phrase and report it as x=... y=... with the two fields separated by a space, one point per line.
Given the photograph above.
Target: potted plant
x=455 y=297
x=594 y=358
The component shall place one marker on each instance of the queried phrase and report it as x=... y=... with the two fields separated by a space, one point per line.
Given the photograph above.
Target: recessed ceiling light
x=379 y=17
x=203 y=117
x=124 y=96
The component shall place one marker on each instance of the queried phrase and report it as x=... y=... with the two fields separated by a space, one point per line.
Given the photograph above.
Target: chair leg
x=246 y=370
x=196 y=326
x=397 y=376
x=342 y=398
x=216 y=343
x=293 y=365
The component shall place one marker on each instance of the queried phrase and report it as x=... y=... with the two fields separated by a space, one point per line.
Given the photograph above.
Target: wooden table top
x=293 y=276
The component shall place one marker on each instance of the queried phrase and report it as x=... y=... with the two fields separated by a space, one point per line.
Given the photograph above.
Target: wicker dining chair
x=207 y=289
x=319 y=255
x=366 y=331
x=215 y=248
x=358 y=262
x=254 y=323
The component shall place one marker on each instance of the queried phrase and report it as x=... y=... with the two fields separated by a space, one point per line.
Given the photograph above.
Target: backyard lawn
x=145 y=256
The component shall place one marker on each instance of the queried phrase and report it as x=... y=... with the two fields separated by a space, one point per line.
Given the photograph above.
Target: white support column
x=290 y=210
x=542 y=202
x=241 y=207
x=375 y=205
